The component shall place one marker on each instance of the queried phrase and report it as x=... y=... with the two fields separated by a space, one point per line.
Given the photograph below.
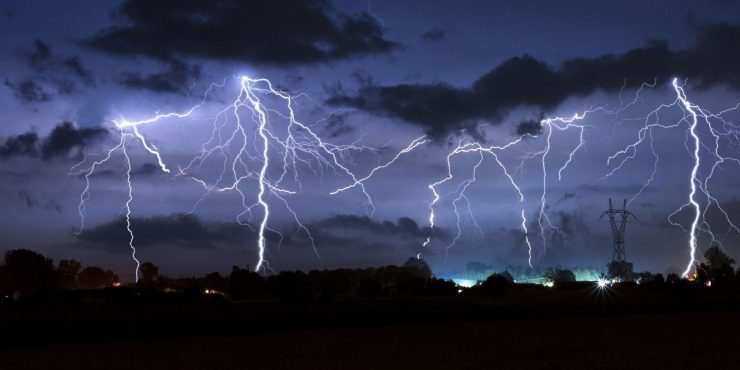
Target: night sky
x=375 y=74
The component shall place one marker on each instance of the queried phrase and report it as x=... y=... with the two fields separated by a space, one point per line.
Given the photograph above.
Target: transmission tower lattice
x=618 y=230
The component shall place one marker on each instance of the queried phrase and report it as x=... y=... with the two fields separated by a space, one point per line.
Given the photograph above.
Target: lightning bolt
x=252 y=150
x=260 y=143
x=694 y=117
x=695 y=182
x=547 y=125
x=463 y=148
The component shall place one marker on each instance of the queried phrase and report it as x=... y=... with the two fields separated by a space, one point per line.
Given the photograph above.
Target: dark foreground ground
x=601 y=331
x=684 y=341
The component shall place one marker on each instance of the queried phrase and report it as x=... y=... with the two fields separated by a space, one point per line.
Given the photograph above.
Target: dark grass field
x=702 y=340
x=557 y=329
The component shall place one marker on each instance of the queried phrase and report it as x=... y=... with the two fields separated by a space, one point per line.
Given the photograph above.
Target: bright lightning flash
x=259 y=139
x=707 y=134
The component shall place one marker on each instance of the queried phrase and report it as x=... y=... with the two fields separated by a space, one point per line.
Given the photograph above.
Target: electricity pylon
x=619 y=267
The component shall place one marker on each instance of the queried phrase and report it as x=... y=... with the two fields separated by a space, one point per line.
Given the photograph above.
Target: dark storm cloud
x=31 y=202
x=266 y=32
x=614 y=189
x=28 y=199
x=39 y=54
x=64 y=140
x=41 y=58
x=54 y=75
x=181 y=230
x=439 y=108
x=529 y=127
x=25 y=144
x=73 y=65
x=569 y=224
x=442 y=109
x=572 y=223
x=340 y=232
x=174 y=79
x=337 y=125
x=28 y=91
x=566 y=196
x=361 y=233
x=404 y=227
x=146 y=169
x=434 y=34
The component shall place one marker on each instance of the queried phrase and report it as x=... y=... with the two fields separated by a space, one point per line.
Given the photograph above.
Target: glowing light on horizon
x=602 y=283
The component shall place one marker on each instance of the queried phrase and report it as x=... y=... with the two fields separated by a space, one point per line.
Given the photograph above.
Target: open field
x=461 y=333
x=704 y=340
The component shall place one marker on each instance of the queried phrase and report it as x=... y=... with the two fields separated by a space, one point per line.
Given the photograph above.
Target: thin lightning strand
x=246 y=158
x=478 y=148
x=694 y=171
x=694 y=144
x=128 y=208
x=413 y=145
x=549 y=124
x=300 y=146
x=652 y=121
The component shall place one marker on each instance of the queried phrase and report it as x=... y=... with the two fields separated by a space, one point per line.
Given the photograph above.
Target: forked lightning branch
x=266 y=167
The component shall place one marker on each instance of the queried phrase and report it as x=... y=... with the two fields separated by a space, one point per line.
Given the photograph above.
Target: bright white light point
x=602 y=283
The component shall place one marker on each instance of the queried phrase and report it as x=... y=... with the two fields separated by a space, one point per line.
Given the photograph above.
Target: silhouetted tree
x=390 y=276
x=497 y=284
x=370 y=288
x=330 y=283
x=440 y=287
x=717 y=267
x=643 y=277
x=418 y=267
x=214 y=281
x=28 y=272
x=67 y=272
x=648 y=278
x=412 y=286
x=558 y=275
x=4 y=279
x=672 y=278
x=149 y=272
x=96 y=278
x=291 y=286
x=245 y=284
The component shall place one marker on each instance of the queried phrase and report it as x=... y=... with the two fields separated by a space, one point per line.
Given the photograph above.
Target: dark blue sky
x=379 y=74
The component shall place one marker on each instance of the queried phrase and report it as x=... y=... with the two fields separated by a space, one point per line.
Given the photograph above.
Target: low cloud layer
x=64 y=140
x=340 y=233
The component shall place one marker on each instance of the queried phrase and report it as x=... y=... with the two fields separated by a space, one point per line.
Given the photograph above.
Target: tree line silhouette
x=26 y=273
